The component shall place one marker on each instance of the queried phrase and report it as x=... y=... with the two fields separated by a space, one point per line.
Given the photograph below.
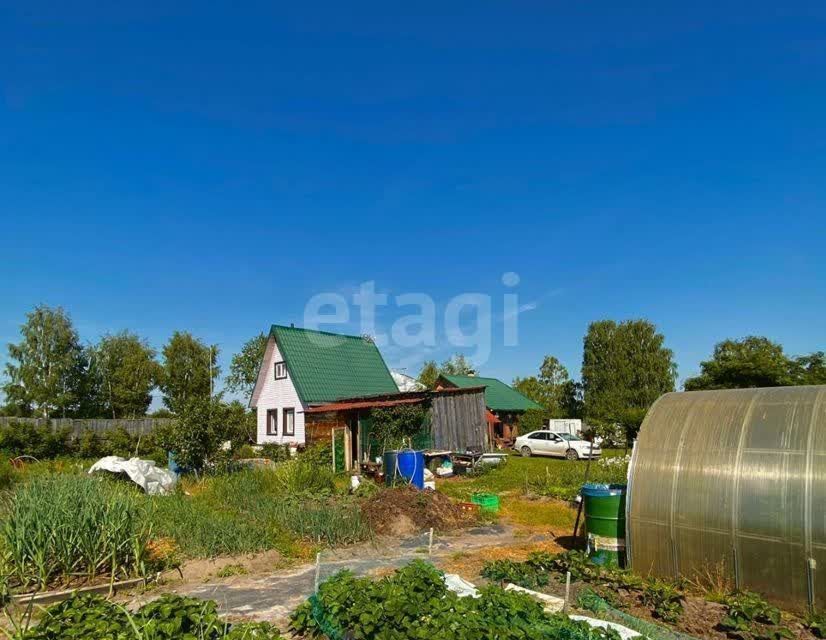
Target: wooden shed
x=456 y=422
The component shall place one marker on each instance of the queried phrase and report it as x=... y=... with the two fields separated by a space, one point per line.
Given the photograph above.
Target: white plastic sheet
x=460 y=586
x=625 y=632
x=145 y=473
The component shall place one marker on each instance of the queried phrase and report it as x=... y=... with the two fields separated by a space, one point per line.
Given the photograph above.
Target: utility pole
x=210 y=372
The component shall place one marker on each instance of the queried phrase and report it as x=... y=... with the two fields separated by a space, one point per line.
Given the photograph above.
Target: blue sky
x=211 y=167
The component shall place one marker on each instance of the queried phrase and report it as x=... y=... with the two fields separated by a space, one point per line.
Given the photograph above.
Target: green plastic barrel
x=604 y=507
x=486 y=501
x=390 y=472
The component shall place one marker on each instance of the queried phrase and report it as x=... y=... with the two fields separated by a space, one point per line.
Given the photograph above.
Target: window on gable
x=289 y=422
x=272 y=422
x=280 y=370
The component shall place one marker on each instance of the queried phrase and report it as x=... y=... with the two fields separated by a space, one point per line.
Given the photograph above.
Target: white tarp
x=625 y=632
x=551 y=604
x=460 y=586
x=144 y=473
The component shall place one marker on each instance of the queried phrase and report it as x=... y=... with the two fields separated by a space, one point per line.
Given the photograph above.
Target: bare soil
x=207 y=569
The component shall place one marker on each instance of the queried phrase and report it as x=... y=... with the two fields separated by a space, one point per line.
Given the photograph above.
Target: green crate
x=486 y=501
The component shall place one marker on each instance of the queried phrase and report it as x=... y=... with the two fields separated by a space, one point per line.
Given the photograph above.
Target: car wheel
x=526 y=452
x=571 y=454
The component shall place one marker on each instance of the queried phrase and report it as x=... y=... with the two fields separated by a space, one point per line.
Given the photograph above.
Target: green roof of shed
x=328 y=366
x=498 y=395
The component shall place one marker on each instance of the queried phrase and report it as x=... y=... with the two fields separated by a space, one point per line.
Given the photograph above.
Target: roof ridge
x=326 y=333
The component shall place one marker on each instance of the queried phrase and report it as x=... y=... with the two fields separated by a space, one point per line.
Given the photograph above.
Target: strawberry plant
x=414 y=603
x=816 y=623
x=170 y=617
x=749 y=616
x=665 y=599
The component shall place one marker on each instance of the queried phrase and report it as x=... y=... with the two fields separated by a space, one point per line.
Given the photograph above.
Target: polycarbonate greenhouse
x=734 y=481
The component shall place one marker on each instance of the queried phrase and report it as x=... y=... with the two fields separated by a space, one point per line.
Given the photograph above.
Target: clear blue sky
x=211 y=166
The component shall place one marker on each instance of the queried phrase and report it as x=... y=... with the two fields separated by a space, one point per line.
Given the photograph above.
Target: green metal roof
x=498 y=395
x=327 y=366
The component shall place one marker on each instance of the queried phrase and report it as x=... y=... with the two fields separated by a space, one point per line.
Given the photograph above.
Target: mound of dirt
x=406 y=510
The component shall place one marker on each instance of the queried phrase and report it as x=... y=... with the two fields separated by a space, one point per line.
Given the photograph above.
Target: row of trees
x=456 y=365
x=50 y=373
x=626 y=367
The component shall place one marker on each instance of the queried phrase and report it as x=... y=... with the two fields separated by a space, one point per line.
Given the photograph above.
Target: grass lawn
x=538 y=476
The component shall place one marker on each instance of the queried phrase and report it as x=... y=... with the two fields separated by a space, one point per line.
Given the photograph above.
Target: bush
x=89 y=445
x=276 y=452
x=245 y=451
x=38 y=441
x=395 y=427
x=319 y=454
x=197 y=434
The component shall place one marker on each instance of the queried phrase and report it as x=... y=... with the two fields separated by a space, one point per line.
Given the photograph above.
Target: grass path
x=546 y=476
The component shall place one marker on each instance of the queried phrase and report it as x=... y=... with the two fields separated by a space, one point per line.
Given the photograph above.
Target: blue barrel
x=172 y=464
x=411 y=467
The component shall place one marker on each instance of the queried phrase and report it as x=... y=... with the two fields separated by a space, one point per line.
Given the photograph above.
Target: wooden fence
x=138 y=426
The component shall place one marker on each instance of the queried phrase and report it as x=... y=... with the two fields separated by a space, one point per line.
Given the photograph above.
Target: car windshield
x=567 y=436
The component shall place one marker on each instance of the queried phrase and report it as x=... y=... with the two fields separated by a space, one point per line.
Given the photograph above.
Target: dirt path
x=272 y=597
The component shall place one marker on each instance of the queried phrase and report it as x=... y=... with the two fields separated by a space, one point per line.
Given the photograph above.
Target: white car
x=552 y=443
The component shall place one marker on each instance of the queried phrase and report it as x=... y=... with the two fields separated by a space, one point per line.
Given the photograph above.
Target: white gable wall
x=277 y=394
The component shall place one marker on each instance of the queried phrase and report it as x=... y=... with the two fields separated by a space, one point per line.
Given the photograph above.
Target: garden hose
x=398 y=472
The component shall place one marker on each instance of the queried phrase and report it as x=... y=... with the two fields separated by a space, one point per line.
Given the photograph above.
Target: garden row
x=64 y=529
x=412 y=603
x=740 y=615
x=170 y=617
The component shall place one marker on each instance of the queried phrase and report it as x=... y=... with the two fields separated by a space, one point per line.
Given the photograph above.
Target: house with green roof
x=504 y=404
x=303 y=368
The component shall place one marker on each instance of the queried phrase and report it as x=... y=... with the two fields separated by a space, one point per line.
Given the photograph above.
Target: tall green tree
x=756 y=361
x=810 y=369
x=46 y=373
x=429 y=374
x=189 y=370
x=243 y=370
x=456 y=365
x=126 y=371
x=625 y=368
x=552 y=388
